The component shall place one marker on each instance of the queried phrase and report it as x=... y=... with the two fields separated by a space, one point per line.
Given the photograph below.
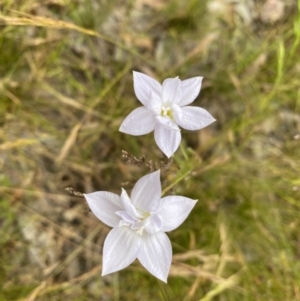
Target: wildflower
x=139 y=224
x=165 y=109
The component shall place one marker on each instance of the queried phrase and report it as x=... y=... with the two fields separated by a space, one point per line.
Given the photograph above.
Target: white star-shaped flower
x=165 y=109
x=139 y=223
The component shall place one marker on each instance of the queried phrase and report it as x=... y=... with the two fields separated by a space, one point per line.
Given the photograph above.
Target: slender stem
x=184 y=152
x=176 y=181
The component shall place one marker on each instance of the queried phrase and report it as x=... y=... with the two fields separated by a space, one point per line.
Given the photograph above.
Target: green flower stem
x=176 y=181
x=184 y=152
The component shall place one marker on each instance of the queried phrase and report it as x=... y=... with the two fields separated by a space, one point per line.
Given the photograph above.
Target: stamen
x=166 y=111
x=140 y=231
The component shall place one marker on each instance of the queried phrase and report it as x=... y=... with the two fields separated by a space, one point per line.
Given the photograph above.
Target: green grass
x=65 y=88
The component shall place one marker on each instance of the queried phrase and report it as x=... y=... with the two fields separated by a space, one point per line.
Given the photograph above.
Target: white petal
x=128 y=206
x=192 y=118
x=167 y=123
x=144 y=85
x=120 y=249
x=146 y=192
x=126 y=218
x=156 y=255
x=173 y=211
x=171 y=90
x=154 y=104
x=140 y=121
x=190 y=90
x=153 y=224
x=166 y=139
x=104 y=204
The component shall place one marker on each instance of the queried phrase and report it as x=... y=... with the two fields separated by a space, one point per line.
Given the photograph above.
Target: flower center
x=136 y=219
x=136 y=223
x=166 y=112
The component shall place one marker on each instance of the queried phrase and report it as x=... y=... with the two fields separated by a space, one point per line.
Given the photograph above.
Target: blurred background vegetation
x=65 y=87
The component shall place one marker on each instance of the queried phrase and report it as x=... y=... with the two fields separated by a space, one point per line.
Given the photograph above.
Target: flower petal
x=192 y=118
x=154 y=104
x=127 y=219
x=173 y=210
x=166 y=139
x=146 y=192
x=128 y=206
x=120 y=249
x=153 y=224
x=144 y=85
x=167 y=123
x=171 y=90
x=104 y=204
x=156 y=255
x=140 y=121
x=190 y=90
